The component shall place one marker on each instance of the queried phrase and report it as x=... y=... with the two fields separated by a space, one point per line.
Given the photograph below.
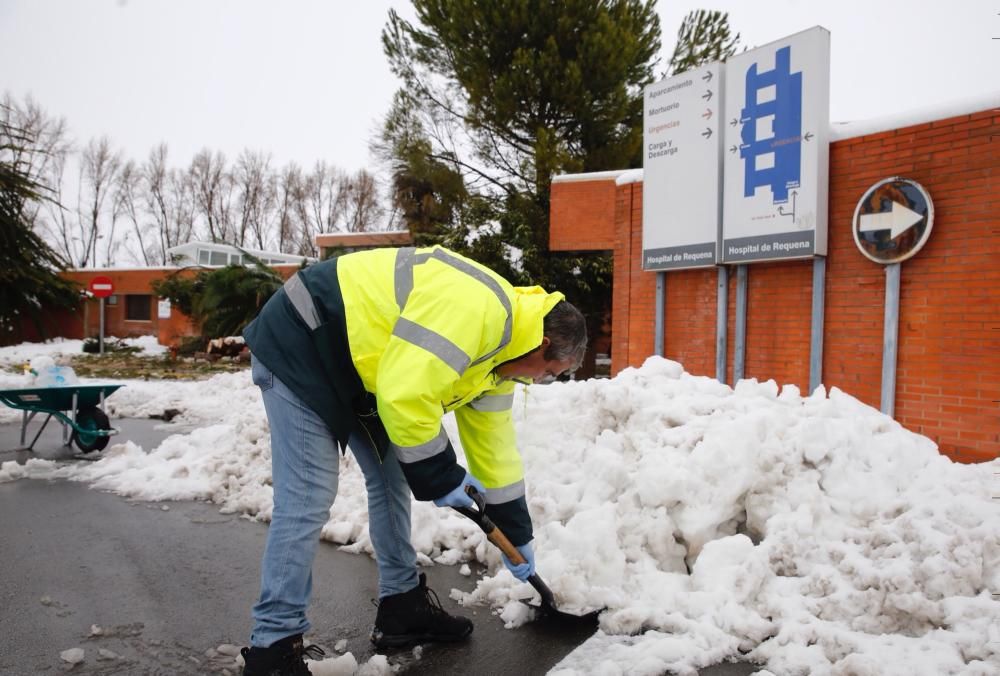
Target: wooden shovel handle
x=500 y=541
x=497 y=537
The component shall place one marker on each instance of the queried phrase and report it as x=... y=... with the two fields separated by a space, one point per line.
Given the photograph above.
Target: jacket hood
x=531 y=304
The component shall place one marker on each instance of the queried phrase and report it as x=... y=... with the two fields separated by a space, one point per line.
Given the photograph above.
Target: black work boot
x=414 y=617
x=283 y=658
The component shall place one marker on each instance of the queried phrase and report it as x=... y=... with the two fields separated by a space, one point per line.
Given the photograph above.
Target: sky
x=307 y=80
x=808 y=534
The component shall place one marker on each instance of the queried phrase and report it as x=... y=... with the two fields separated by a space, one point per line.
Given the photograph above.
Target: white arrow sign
x=899 y=220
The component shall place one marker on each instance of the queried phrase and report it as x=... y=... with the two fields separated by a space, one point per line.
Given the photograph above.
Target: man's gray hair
x=566 y=330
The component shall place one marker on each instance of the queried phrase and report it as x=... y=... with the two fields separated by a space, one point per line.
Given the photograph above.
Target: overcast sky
x=308 y=80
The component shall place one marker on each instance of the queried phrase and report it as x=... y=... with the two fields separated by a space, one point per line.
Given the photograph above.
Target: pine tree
x=703 y=37
x=504 y=95
x=222 y=300
x=501 y=95
x=232 y=296
x=30 y=285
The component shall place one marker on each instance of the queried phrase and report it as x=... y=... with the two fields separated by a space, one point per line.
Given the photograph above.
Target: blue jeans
x=304 y=471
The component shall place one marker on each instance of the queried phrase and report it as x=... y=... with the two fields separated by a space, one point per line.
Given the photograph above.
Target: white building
x=217 y=255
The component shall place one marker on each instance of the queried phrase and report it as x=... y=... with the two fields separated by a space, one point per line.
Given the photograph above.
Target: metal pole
x=889 y=340
x=721 y=324
x=816 y=337
x=100 y=335
x=661 y=297
x=739 y=356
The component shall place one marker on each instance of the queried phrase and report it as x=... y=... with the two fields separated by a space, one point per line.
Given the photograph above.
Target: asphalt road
x=163 y=586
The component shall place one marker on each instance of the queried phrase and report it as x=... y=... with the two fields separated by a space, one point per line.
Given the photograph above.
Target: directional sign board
x=681 y=173
x=776 y=167
x=893 y=220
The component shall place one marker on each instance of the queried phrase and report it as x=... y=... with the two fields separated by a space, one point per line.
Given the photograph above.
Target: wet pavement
x=166 y=588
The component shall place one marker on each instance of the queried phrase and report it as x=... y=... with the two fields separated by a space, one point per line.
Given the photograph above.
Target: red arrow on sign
x=102 y=287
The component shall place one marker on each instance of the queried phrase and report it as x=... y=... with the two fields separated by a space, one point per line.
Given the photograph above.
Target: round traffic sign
x=101 y=287
x=893 y=220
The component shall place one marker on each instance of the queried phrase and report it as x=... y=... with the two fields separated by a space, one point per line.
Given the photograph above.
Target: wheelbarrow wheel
x=88 y=421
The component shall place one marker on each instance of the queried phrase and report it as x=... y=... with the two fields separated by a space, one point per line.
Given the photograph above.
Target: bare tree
x=362 y=209
x=293 y=232
x=105 y=205
x=255 y=197
x=306 y=235
x=324 y=198
x=126 y=205
x=154 y=174
x=58 y=223
x=49 y=136
x=43 y=159
x=169 y=200
x=99 y=167
x=213 y=187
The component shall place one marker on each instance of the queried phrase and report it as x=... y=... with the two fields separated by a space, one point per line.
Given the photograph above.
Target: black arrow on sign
x=733 y=150
x=707 y=133
x=707 y=77
x=733 y=122
x=795 y=193
x=707 y=95
x=809 y=135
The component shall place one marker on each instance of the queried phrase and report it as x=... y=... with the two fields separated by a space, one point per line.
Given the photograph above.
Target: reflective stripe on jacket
x=426 y=328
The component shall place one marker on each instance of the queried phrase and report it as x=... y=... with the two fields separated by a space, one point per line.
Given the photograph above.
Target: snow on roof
x=133 y=268
x=373 y=238
x=592 y=176
x=229 y=248
x=942 y=111
x=367 y=233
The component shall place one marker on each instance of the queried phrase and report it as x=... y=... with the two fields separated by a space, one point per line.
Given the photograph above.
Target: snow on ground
x=812 y=535
x=139 y=399
x=16 y=355
x=15 y=360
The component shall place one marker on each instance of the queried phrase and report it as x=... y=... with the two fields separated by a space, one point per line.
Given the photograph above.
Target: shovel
x=547 y=607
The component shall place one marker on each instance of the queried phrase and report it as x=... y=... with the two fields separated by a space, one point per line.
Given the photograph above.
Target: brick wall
x=85 y=321
x=948 y=368
x=583 y=216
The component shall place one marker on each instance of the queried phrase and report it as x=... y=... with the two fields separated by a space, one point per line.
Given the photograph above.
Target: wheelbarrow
x=79 y=408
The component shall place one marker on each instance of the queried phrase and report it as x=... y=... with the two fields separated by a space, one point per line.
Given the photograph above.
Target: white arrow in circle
x=899 y=220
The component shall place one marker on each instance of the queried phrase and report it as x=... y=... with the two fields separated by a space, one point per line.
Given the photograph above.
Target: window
x=235 y=259
x=218 y=258
x=138 y=308
x=203 y=256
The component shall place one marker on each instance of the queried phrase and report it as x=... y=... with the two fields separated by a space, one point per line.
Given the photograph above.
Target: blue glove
x=457 y=497
x=525 y=570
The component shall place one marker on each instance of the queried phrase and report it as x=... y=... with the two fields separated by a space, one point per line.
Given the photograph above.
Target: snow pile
x=809 y=534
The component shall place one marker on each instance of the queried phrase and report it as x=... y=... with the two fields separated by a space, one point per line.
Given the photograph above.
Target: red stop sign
x=102 y=287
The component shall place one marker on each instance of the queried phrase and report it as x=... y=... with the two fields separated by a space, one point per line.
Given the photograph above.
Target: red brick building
x=948 y=366
x=135 y=310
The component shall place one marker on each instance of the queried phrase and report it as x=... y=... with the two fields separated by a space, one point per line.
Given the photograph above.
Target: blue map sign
x=776 y=165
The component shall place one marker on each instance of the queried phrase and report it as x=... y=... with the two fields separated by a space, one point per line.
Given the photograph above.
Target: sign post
x=101 y=287
x=892 y=222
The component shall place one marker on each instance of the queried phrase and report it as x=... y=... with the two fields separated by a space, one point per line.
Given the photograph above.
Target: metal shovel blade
x=546 y=609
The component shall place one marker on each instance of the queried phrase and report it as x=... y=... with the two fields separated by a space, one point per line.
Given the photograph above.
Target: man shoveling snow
x=372 y=349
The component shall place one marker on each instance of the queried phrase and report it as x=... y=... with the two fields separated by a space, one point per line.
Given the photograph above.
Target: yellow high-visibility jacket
x=425 y=329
